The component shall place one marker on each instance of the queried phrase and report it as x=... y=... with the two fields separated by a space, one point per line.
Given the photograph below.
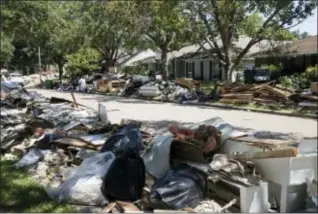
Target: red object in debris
x=39 y=132
x=180 y=133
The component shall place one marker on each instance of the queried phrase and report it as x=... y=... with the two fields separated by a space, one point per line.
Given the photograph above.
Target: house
x=295 y=57
x=195 y=63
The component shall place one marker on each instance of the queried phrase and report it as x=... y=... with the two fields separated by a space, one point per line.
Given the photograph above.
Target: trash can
x=48 y=84
x=249 y=76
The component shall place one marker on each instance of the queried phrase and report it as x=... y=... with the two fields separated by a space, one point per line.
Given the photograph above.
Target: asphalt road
x=159 y=115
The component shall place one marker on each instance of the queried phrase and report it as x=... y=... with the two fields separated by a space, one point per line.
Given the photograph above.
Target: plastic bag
x=84 y=187
x=31 y=158
x=125 y=178
x=178 y=188
x=128 y=138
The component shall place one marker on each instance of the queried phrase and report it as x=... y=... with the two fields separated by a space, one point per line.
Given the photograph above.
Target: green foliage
x=226 y=21
x=138 y=69
x=286 y=81
x=311 y=73
x=65 y=37
x=22 y=194
x=112 y=27
x=299 y=35
x=300 y=81
x=165 y=28
x=274 y=69
x=84 y=61
x=6 y=51
x=24 y=22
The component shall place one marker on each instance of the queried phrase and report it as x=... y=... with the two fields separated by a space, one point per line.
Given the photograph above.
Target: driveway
x=159 y=115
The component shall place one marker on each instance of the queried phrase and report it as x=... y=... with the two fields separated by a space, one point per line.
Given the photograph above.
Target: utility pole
x=39 y=53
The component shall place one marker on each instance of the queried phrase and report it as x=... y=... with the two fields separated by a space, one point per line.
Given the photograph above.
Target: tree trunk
x=60 y=66
x=109 y=63
x=164 y=64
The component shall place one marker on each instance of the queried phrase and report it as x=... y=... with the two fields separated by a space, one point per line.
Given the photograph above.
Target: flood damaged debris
x=206 y=167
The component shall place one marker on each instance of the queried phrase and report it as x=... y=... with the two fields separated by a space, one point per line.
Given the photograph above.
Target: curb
x=255 y=110
x=219 y=106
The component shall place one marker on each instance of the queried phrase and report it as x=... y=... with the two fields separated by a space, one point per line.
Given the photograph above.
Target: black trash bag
x=178 y=188
x=127 y=138
x=125 y=178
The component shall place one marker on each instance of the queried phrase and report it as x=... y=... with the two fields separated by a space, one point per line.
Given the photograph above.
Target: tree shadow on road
x=263 y=134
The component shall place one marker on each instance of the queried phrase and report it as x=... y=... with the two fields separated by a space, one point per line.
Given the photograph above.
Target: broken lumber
x=74 y=100
x=237 y=96
x=309 y=97
x=78 y=143
x=232 y=101
x=228 y=205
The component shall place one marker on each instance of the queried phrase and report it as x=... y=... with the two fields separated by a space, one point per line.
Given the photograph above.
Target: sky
x=309 y=25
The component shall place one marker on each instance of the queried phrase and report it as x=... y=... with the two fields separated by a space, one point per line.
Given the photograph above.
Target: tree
x=24 y=23
x=299 y=35
x=225 y=21
x=65 y=35
x=85 y=60
x=6 y=51
x=166 y=28
x=111 y=28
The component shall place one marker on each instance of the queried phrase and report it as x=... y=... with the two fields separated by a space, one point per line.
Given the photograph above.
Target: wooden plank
x=109 y=207
x=128 y=207
x=276 y=91
x=309 y=97
x=237 y=96
x=74 y=99
x=78 y=143
x=232 y=101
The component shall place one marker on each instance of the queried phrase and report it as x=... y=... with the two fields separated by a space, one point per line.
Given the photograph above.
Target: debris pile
x=121 y=167
x=266 y=94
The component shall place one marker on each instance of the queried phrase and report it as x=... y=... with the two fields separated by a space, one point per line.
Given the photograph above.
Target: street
x=161 y=114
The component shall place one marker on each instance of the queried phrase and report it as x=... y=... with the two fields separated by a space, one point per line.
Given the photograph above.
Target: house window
x=215 y=75
x=202 y=69
x=190 y=69
x=210 y=70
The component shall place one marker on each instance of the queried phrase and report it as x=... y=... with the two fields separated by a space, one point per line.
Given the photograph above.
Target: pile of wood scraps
x=264 y=94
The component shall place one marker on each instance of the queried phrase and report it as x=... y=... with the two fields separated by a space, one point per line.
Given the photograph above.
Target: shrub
x=274 y=69
x=311 y=73
x=286 y=82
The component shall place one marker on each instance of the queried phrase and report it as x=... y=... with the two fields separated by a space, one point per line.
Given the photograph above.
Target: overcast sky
x=309 y=25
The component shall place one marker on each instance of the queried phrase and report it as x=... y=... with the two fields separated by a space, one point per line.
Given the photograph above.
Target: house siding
x=180 y=68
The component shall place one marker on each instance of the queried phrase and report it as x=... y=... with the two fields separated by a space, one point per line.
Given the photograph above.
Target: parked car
x=16 y=78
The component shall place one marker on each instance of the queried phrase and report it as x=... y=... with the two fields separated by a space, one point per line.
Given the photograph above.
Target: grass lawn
x=19 y=193
x=291 y=110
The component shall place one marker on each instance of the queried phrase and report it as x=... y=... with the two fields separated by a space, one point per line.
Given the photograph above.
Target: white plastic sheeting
x=84 y=186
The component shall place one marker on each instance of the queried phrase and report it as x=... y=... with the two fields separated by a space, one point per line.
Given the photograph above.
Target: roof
x=192 y=50
x=303 y=46
x=136 y=57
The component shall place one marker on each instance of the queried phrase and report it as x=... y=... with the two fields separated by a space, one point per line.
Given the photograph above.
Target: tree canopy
x=118 y=30
x=224 y=22
x=165 y=28
x=112 y=28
